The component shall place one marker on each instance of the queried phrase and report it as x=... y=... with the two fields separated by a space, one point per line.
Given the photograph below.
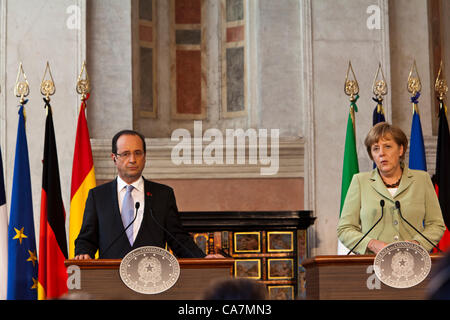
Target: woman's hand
x=376 y=245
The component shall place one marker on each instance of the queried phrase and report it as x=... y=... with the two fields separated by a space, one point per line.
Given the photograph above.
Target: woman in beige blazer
x=390 y=181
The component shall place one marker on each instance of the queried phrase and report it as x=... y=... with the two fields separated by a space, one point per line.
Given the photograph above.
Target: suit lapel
x=115 y=203
x=378 y=185
x=147 y=195
x=407 y=179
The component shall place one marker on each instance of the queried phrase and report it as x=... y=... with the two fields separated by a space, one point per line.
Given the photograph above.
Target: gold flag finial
x=379 y=87
x=22 y=88
x=83 y=84
x=440 y=86
x=351 y=87
x=414 y=85
x=47 y=84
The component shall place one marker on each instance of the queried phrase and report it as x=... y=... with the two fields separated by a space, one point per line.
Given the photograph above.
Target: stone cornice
x=160 y=166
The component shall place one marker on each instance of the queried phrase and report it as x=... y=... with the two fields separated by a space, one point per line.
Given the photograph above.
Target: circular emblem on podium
x=402 y=264
x=149 y=270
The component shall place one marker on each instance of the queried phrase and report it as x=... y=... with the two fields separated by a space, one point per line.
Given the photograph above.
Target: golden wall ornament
x=351 y=87
x=83 y=84
x=414 y=85
x=47 y=84
x=22 y=88
x=440 y=86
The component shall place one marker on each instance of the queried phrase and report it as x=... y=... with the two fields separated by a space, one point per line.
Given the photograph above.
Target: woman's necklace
x=394 y=185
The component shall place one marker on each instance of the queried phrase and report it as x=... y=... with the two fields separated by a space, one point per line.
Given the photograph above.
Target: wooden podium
x=352 y=278
x=100 y=279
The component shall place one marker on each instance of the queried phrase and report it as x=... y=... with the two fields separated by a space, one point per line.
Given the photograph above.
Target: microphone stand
x=397 y=205
x=137 y=205
x=365 y=235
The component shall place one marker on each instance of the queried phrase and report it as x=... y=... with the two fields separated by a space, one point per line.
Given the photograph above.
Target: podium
x=353 y=278
x=100 y=279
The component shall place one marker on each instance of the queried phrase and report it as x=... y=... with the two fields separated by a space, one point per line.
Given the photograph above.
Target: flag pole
x=351 y=89
x=414 y=86
x=442 y=174
x=83 y=84
x=417 y=155
x=22 y=257
x=52 y=237
x=441 y=86
x=379 y=89
x=22 y=88
x=83 y=175
x=350 y=163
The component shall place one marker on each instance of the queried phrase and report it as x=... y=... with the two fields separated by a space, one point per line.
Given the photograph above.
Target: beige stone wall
x=34 y=32
x=409 y=33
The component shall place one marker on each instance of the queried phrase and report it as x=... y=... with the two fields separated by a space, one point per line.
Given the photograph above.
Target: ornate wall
x=249 y=64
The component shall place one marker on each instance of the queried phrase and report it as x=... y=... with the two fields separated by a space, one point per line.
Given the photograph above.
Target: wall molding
x=160 y=166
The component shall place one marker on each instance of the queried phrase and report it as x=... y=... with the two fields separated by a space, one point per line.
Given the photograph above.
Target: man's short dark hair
x=127 y=132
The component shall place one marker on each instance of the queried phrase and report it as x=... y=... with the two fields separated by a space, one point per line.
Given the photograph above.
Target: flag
x=3 y=235
x=442 y=176
x=378 y=115
x=378 y=112
x=417 y=159
x=350 y=166
x=52 y=236
x=22 y=257
x=83 y=178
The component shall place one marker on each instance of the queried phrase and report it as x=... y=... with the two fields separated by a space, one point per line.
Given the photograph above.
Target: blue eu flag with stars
x=22 y=255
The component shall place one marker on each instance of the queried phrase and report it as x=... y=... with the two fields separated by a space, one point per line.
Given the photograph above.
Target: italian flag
x=350 y=166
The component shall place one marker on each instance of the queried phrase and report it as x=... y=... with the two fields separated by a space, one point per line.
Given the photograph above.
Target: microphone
x=365 y=235
x=167 y=231
x=397 y=205
x=136 y=206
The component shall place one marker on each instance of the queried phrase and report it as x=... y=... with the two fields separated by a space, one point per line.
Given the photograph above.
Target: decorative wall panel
x=234 y=82
x=147 y=96
x=188 y=59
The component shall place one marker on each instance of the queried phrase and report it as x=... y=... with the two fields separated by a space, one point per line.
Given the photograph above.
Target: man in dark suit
x=107 y=207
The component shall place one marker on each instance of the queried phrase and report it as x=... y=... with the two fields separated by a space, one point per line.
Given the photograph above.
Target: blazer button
x=395 y=222
x=396 y=238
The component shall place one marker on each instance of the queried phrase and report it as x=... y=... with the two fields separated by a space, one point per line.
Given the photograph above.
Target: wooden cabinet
x=266 y=246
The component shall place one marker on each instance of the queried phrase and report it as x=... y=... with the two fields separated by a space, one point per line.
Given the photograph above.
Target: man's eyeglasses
x=127 y=154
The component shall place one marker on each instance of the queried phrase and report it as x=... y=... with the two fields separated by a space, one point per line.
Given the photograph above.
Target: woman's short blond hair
x=384 y=130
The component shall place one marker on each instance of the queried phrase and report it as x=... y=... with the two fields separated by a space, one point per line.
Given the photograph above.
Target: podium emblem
x=149 y=270
x=402 y=264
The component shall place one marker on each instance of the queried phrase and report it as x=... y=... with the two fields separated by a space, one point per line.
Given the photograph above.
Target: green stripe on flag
x=350 y=166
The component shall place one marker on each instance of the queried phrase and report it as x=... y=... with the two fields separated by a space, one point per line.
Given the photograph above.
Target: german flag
x=441 y=178
x=83 y=177
x=52 y=275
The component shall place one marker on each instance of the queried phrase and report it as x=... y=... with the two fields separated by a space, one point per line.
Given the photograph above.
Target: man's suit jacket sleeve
x=87 y=240
x=184 y=246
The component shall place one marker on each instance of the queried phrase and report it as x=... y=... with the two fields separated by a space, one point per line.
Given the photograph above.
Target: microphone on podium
x=136 y=206
x=365 y=235
x=397 y=205
x=167 y=231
